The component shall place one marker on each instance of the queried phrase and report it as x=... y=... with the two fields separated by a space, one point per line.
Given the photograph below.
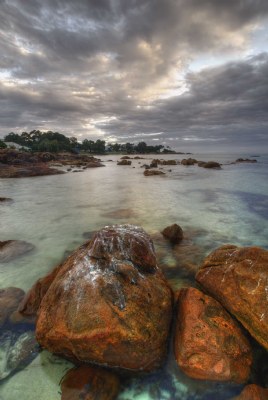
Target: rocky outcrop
x=252 y=392
x=11 y=249
x=173 y=233
x=151 y=172
x=109 y=303
x=238 y=279
x=26 y=171
x=208 y=343
x=89 y=384
x=189 y=161
x=209 y=164
x=10 y=298
x=124 y=162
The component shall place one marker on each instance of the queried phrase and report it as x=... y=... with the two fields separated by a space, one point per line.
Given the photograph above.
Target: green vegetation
x=2 y=144
x=54 y=142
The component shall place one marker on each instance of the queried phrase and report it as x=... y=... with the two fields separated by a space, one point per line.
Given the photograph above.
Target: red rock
x=9 y=301
x=109 y=303
x=174 y=233
x=253 y=392
x=238 y=279
x=208 y=343
x=89 y=383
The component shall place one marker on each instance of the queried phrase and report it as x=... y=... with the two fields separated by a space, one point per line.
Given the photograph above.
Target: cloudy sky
x=192 y=74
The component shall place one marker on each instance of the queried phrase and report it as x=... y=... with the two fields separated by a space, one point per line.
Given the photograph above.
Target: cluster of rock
x=109 y=305
x=18 y=164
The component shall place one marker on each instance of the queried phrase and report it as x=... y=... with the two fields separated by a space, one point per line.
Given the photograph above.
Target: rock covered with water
x=252 y=392
x=89 y=383
x=16 y=351
x=109 y=303
x=208 y=343
x=173 y=233
x=10 y=298
x=151 y=172
x=11 y=249
x=238 y=279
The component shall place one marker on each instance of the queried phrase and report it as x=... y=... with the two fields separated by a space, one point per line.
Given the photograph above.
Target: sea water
x=56 y=214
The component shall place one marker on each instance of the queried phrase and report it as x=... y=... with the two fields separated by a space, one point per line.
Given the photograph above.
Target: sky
x=189 y=74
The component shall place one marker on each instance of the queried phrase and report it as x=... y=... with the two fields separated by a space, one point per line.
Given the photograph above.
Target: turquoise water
x=56 y=214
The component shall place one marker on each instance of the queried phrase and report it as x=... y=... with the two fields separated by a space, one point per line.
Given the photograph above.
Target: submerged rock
x=208 y=343
x=11 y=249
x=209 y=164
x=108 y=304
x=252 y=392
x=10 y=298
x=173 y=233
x=16 y=351
x=151 y=172
x=89 y=384
x=238 y=279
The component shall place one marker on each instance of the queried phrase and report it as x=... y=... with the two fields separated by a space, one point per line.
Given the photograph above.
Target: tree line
x=55 y=142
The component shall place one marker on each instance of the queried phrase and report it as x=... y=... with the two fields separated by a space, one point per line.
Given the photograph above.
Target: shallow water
x=56 y=213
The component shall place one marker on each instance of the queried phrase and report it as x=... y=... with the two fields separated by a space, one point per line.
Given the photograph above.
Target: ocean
x=58 y=213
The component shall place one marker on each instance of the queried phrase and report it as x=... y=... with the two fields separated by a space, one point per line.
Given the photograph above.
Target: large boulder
x=208 y=343
x=252 y=392
x=109 y=303
x=238 y=279
x=89 y=383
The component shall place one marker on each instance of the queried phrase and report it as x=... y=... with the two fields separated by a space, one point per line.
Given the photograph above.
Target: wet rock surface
x=10 y=298
x=16 y=351
x=252 y=392
x=238 y=278
x=11 y=249
x=124 y=162
x=89 y=383
x=121 y=305
x=208 y=343
x=173 y=233
x=151 y=172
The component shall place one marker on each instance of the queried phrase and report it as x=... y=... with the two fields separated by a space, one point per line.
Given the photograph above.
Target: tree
x=2 y=144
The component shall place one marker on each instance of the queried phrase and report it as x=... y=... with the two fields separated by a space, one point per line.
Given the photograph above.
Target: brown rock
x=173 y=233
x=89 y=383
x=124 y=162
x=151 y=172
x=252 y=392
x=9 y=301
x=169 y=162
x=189 y=161
x=208 y=343
x=109 y=303
x=30 y=304
x=11 y=249
x=5 y=200
x=209 y=164
x=238 y=279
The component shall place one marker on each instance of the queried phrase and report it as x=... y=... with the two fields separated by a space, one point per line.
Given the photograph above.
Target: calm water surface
x=56 y=213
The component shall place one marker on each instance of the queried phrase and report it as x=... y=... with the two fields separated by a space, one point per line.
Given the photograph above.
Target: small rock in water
x=10 y=298
x=16 y=351
x=252 y=392
x=11 y=249
x=89 y=383
x=5 y=200
x=173 y=233
x=151 y=172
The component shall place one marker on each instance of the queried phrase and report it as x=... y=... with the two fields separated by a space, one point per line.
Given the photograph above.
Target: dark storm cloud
x=112 y=68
